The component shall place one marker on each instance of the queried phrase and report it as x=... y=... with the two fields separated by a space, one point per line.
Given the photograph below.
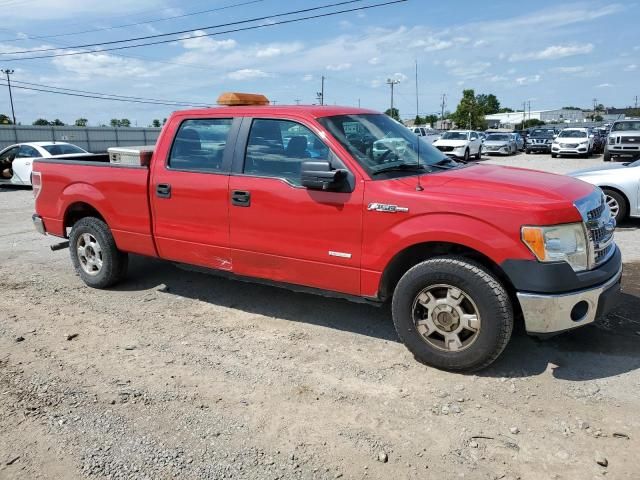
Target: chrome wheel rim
x=446 y=318
x=614 y=206
x=89 y=254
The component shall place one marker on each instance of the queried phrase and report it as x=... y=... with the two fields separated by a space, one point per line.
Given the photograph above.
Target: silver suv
x=623 y=141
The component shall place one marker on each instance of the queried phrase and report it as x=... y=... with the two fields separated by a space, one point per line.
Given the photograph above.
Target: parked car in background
x=572 y=141
x=16 y=161
x=500 y=143
x=540 y=140
x=598 y=141
x=460 y=144
x=623 y=141
x=520 y=141
x=429 y=134
x=620 y=183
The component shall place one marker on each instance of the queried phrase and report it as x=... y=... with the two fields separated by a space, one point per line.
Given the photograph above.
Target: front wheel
x=451 y=313
x=94 y=254
x=607 y=156
x=527 y=151
x=479 y=154
x=554 y=155
x=466 y=155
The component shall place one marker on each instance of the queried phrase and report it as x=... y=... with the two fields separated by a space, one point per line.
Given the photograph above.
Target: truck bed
x=119 y=193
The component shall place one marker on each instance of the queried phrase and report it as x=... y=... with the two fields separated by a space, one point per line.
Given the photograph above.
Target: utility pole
x=524 y=114
x=529 y=105
x=358 y=103
x=595 y=103
x=636 y=102
x=392 y=83
x=442 y=105
x=8 y=72
x=320 y=94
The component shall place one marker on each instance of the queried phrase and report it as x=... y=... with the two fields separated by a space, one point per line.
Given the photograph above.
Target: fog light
x=579 y=311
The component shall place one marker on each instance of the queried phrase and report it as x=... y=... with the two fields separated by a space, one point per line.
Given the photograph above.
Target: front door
x=189 y=194
x=282 y=231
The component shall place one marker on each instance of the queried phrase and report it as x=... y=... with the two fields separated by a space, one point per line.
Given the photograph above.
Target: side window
x=9 y=154
x=199 y=144
x=277 y=148
x=474 y=136
x=27 y=151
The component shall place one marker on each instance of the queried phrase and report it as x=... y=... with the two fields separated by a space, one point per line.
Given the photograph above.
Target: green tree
x=506 y=110
x=418 y=120
x=431 y=119
x=41 y=122
x=532 y=122
x=81 y=122
x=598 y=118
x=395 y=114
x=571 y=108
x=488 y=103
x=58 y=123
x=155 y=123
x=5 y=120
x=164 y=120
x=469 y=114
x=115 y=122
x=125 y=122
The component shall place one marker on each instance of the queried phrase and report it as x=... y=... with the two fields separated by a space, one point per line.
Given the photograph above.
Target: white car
x=429 y=134
x=460 y=144
x=16 y=161
x=572 y=141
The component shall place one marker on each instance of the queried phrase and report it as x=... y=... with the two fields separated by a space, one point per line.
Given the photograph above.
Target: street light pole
x=8 y=72
x=392 y=83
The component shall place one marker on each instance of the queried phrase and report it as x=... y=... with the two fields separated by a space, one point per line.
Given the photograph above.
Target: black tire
x=527 y=151
x=114 y=263
x=607 y=156
x=466 y=155
x=620 y=200
x=554 y=155
x=479 y=154
x=489 y=296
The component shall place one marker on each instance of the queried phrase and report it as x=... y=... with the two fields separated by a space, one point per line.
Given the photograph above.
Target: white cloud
x=528 y=80
x=103 y=65
x=631 y=68
x=469 y=70
x=568 y=69
x=339 y=67
x=374 y=61
x=400 y=77
x=198 y=41
x=276 y=50
x=247 y=73
x=604 y=85
x=307 y=78
x=554 y=52
x=480 y=43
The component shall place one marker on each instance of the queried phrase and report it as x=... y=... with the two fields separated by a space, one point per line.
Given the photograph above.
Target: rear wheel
x=452 y=314
x=94 y=254
x=617 y=204
x=607 y=156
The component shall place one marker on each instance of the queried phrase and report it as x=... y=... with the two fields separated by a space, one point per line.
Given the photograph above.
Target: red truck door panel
x=189 y=193
x=280 y=230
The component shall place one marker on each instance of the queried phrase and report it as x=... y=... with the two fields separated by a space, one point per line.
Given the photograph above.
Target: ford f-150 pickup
x=312 y=197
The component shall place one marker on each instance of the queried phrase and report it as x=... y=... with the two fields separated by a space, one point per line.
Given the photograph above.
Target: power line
x=253 y=27
x=134 y=24
x=170 y=104
x=177 y=102
x=182 y=32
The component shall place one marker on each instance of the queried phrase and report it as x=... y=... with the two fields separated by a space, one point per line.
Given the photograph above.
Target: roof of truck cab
x=315 y=111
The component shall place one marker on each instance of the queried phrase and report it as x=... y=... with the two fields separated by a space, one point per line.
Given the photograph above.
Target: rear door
x=282 y=231
x=189 y=193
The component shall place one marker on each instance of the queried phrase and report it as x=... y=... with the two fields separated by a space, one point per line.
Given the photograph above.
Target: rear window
x=63 y=149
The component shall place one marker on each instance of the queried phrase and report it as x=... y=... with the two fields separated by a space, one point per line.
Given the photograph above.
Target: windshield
x=618 y=126
x=498 y=137
x=63 y=149
x=379 y=144
x=454 y=136
x=572 y=134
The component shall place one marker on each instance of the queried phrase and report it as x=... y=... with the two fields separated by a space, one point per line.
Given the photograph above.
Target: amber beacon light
x=237 y=99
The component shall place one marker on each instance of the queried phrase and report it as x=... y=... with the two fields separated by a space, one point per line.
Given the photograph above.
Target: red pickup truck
x=348 y=201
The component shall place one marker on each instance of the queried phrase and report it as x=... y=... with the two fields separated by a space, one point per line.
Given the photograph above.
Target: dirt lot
x=180 y=374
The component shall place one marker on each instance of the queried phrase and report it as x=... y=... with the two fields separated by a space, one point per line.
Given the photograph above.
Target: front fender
x=460 y=229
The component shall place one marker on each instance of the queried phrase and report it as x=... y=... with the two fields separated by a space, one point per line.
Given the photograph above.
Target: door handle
x=240 y=198
x=163 y=190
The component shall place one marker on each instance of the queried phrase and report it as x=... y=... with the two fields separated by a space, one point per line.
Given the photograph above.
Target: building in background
x=560 y=115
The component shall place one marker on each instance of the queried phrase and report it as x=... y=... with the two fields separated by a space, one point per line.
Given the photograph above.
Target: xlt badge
x=385 y=207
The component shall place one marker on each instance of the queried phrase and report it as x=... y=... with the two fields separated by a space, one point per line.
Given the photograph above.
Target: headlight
x=584 y=143
x=558 y=243
x=612 y=140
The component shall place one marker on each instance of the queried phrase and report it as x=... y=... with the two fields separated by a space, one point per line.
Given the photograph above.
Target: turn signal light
x=533 y=237
x=239 y=99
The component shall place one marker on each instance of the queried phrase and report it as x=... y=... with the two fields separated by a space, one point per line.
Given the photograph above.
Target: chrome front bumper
x=38 y=224
x=547 y=314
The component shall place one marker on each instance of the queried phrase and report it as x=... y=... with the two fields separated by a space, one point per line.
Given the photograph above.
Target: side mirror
x=319 y=176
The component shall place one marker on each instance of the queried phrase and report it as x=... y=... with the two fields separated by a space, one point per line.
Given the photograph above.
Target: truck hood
x=490 y=186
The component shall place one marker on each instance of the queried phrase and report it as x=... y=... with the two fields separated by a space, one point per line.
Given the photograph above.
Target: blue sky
x=550 y=53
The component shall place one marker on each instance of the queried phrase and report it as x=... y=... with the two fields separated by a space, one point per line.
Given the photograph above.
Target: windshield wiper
x=403 y=167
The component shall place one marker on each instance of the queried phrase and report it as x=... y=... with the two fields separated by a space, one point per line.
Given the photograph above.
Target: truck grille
x=600 y=227
x=630 y=139
x=445 y=148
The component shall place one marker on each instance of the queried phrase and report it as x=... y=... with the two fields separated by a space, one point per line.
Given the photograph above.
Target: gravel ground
x=179 y=374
